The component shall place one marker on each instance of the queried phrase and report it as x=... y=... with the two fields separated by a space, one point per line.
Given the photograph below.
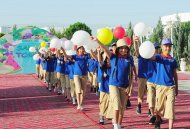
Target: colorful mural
x=14 y=49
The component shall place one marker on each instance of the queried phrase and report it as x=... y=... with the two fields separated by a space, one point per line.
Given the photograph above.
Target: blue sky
x=99 y=13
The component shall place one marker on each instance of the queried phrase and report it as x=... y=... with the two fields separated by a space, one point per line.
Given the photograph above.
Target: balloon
x=32 y=49
x=53 y=49
x=42 y=50
x=119 y=32
x=128 y=41
x=92 y=45
x=105 y=36
x=68 y=45
x=55 y=43
x=11 y=48
x=70 y=52
x=147 y=50
x=36 y=57
x=43 y=44
x=80 y=37
x=140 y=29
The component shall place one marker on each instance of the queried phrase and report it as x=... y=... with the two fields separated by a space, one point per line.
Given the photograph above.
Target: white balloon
x=70 y=52
x=147 y=50
x=11 y=48
x=68 y=45
x=55 y=43
x=36 y=57
x=140 y=29
x=92 y=45
x=43 y=50
x=80 y=37
x=32 y=49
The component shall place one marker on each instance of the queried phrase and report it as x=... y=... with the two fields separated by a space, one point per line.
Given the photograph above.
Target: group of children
x=111 y=73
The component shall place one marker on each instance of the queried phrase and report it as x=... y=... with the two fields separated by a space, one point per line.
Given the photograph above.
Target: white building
x=168 y=20
x=5 y=29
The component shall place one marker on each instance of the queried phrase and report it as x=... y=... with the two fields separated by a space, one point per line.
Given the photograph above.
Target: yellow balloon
x=105 y=36
x=43 y=44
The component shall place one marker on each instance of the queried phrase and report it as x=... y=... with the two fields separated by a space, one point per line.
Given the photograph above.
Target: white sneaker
x=74 y=101
x=116 y=126
x=78 y=107
x=55 y=89
x=97 y=93
x=81 y=108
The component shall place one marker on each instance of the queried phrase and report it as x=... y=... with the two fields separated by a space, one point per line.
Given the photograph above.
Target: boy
x=166 y=84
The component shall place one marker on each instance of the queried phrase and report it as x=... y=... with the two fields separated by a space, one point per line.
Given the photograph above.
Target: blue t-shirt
x=165 y=70
x=49 y=64
x=142 y=67
x=151 y=71
x=66 y=69
x=104 y=75
x=80 y=66
x=38 y=61
x=120 y=72
x=71 y=70
x=60 y=64
x=92 y=65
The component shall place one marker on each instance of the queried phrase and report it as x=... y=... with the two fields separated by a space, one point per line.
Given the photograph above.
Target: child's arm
x=176 y=81
x=65 y=54
x=93 y=55
x=107 y=51
x=136 y=46
x=135 y=72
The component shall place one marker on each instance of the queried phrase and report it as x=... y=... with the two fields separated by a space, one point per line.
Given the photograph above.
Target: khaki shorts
x=104 y=103
x=141 y=88
x=117 y=98
x=151 y=94
x=80 y=84
x=41 y=71
x=92 y=77
x=60 y=79
x=165 y=100
x=49 y=77
x=67 y=81
x=72 y=85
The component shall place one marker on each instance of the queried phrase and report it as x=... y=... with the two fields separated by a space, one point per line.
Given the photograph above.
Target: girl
x=80 y=73
x=104 y=72
x=119 y=79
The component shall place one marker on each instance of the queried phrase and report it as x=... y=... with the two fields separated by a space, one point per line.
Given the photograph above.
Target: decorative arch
x=14 y=54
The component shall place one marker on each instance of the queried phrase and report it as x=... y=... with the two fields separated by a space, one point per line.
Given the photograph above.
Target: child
x=166 y=84
x=92 y=76
x=142 y=75
x=104 y=71
x=72 y=84
x=119 y=79
x=151 y=86
x=49 y=68
x=60 y=67
x=80 y=73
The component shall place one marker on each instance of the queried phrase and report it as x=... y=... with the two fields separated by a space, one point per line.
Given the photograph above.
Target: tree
x=130 y=30
x=1 y=35
x=14 y=27
x=75 y=27
x=58 y=34
x=158 y=32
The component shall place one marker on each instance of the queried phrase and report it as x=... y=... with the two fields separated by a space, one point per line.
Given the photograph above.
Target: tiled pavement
x=26 y=104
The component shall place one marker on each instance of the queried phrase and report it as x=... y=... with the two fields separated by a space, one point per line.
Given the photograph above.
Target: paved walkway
x=26 y=104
